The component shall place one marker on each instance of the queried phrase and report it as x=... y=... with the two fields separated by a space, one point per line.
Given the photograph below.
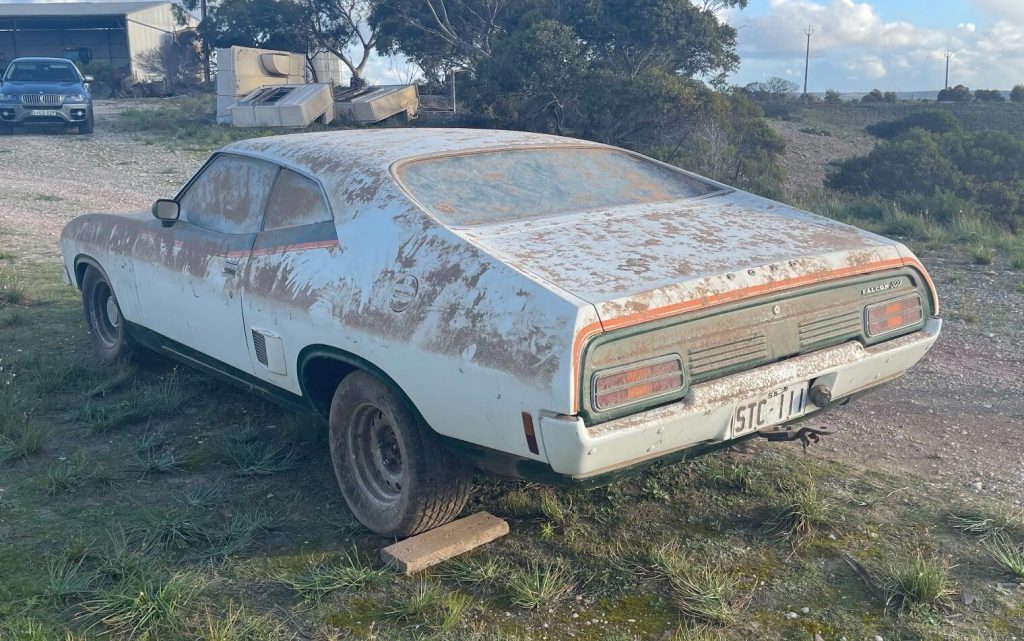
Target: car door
x=188 y=273
x=283 y=292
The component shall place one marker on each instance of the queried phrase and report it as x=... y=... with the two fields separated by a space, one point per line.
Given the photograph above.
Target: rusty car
x=530 y=305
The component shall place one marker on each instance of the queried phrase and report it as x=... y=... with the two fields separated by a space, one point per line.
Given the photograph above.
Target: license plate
x=778 y=406
x=44 y=112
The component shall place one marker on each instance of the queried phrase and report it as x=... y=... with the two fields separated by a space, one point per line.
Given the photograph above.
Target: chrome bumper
x=704 y=415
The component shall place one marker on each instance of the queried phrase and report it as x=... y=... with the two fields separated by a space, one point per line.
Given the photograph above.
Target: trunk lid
x=644 y=262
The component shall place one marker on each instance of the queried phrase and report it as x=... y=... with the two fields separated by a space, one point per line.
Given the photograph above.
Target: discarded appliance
x=284 y=106
x=374 y=104
x=243 y=70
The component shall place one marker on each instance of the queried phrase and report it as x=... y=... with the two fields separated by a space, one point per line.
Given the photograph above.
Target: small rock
x=878 y=637
x=805 y=610
x=818 y=637
x=977 y=486
x=791 y=615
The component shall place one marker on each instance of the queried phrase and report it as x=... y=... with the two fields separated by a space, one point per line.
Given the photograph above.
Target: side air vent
x=269 y=350
x=830 y=328
x=259 y=343
x=726 y=356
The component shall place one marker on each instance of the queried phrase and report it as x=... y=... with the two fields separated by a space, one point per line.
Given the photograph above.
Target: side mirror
x=166 y=211
x=89 y=78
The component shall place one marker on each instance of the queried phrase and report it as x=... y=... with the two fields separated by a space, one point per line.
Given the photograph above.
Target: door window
x=229 y=195
x=296 y=200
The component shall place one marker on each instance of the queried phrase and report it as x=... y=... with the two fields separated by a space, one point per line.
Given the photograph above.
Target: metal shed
x=113 y=33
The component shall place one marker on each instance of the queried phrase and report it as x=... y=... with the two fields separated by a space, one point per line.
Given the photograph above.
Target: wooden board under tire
x=430 y=548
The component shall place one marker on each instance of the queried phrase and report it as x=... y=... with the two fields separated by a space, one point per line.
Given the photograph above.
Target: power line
x=807 y=59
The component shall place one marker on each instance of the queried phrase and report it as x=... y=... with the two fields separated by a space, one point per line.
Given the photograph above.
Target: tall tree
x=267 y=24
x=342 y=27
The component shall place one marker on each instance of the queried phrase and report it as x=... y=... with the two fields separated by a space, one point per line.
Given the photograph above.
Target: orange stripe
x=638 y=318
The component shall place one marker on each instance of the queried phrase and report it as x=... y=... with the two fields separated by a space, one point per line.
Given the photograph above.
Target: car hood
x=650 y=261
x=63 y=88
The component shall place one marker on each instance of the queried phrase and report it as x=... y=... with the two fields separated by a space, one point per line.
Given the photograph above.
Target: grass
x=69 y=475
x=426 y=602
x=1007 y=554
x=67 y=579
x=707 y=594
x=918 y=580
x=12 y=290
x=988 y=523
x=186 y=121
x=252 y=455
x=24 y=441
x=803 y=508
x=475 y=571
x=143 y=607
x=321 y=575
x=982 y=255
x=538 y=585
x=161 y=397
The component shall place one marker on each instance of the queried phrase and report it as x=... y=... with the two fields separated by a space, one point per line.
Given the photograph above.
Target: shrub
x=833 y=96
x=989 y=95
x=874 y=96
x=1017 y=95
x=936 y=122
x=959 y=93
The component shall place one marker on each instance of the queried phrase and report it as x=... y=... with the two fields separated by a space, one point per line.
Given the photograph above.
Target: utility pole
x=949 y=54
x=807 y=59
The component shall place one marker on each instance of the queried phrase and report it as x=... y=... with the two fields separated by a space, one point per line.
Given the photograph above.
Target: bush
x=978 y=174
x=959 y=93
x=874 y=96
x=890 y=97
x=1017 y=95
x=832 y=96
x=989 y=95
x=936 y=122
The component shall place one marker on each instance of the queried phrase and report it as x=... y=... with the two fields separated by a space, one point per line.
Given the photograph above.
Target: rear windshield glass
x=496 y=186
x=36 y=71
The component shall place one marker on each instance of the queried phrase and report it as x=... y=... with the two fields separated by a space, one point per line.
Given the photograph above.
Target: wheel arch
x=83 y=262
x=333 y=365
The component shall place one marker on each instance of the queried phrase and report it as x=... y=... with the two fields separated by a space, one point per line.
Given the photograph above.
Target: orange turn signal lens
x=882 y=318
x=623 y=386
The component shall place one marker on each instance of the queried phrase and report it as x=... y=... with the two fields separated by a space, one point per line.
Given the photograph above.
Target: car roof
x=40 y=59
x=326 y=154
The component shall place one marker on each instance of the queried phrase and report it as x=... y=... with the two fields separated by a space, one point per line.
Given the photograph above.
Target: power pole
x=807 y=59
x=949 y=54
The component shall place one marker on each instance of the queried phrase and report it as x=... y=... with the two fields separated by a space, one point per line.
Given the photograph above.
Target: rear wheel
x=6 y=130
x=110 y=340
x=396 y=477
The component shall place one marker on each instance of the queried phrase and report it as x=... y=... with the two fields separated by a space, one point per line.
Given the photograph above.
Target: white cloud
x=852 y=41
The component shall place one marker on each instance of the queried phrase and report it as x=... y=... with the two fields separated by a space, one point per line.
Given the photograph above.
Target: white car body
x=494 y=330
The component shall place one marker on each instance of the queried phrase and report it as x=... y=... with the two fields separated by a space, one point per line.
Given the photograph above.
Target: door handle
x=230 y=267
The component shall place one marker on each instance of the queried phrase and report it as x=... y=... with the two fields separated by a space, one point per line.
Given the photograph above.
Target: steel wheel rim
x=375 y=455
x=106 y=317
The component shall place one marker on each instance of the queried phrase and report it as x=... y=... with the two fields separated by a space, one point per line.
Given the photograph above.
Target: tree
x=342 y=27
x=775 y=95
x=266 y=24
x=873 y=96
x=989 y=95
x=177 y=61
x=832 y=96
x=1017 y=95
x=891 y=97
x=959 y=93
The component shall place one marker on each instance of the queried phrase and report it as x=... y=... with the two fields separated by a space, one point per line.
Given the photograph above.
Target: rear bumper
x=703 y=417
x=69 y=114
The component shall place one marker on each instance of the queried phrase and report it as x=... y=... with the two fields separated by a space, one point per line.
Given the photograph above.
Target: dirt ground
x=957 y=420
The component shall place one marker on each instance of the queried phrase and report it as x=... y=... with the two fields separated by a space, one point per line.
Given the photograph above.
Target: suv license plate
x=44 y=112
x=775 y=407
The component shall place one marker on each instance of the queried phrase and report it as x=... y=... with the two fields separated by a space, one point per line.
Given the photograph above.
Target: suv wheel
x=103 y=317
x=396 y=477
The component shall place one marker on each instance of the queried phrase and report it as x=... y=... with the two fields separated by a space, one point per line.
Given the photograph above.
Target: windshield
x=41 y=71
x=512 y=184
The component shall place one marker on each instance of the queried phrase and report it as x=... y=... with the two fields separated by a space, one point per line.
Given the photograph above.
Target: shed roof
x=73 y=9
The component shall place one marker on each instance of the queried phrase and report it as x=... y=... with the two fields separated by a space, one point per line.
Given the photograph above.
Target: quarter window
x=229 y=195
x=295 y=200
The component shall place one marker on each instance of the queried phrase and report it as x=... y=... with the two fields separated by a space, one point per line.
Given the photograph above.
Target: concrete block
x=430 y=548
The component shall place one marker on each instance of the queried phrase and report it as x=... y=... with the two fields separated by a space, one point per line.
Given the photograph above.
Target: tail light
x=637 y=382
x=882 y=318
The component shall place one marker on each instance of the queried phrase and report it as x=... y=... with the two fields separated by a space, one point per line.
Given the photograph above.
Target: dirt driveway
x=957 y=420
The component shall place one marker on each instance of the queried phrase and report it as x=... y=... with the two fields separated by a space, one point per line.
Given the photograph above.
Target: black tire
x=6 y=130
x=110 y=340
x=87 y=126
x=396 y=477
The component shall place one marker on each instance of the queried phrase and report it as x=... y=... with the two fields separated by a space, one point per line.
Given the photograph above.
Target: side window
x=229 y=196
x=296 y=200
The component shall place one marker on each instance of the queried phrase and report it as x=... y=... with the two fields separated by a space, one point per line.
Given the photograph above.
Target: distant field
x=974 y=116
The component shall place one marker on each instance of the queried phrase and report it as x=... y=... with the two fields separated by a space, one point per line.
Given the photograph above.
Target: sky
x=892 y=45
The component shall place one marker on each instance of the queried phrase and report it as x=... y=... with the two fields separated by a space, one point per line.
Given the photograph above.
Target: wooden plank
x=430 y=548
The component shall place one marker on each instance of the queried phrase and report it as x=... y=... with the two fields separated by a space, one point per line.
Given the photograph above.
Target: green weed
x=321 y=576
x=23 y=441
x=706 y=593
x=251 y=455
x=538 y=585
x=1007 y=554
x=144 y=607
x=917 y=581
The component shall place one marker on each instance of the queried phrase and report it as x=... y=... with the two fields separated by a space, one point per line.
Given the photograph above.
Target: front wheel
x=396 y=477
x=110 y=340
x=87 y=126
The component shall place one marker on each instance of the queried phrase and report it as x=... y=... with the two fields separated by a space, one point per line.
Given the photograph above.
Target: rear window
x=496 y=186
